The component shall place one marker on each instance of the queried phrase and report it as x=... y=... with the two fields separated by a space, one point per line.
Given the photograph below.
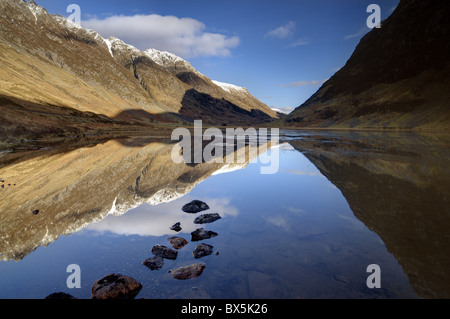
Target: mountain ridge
x=48 y=60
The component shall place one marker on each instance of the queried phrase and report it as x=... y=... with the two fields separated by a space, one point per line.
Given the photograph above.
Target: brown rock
x=188 y=272
x=177 y=242
x=115 y=286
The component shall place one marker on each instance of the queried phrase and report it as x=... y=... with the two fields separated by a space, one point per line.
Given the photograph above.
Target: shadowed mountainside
x=398 y=76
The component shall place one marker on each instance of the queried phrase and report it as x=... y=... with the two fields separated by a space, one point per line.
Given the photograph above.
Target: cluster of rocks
x=202 y=250
x=118 y=286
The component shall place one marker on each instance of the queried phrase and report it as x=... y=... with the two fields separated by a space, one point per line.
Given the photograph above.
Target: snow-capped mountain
x=230 y=87
x=278 y=110
x=50 y=62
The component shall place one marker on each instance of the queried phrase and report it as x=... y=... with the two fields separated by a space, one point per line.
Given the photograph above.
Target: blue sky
x=281 y=51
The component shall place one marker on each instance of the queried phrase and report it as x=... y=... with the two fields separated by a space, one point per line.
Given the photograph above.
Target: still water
x=339 y=202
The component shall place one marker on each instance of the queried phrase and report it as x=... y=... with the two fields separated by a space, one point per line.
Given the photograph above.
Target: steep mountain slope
x=48 y=62
x=398 y=76
x=185 y=72
x=191 y=94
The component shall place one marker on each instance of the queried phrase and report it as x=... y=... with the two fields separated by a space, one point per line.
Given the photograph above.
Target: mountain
x=397 y=78
x=58 y=78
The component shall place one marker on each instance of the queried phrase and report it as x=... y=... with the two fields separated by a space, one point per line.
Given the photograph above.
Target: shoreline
x=26 y=143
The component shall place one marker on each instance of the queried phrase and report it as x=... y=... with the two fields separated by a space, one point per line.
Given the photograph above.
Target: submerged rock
x=188 y=272
x=60 y=296
x=207 y=218
x=164 y=252
x=154 y=263
x=195 y=206
x=176 y=227
x=177 y=242
x=202 y=250
x=201 y=234
x=116 y=286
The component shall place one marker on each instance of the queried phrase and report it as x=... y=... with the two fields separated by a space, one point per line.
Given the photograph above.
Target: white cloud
x=283 y=31
x=295 y=84
x=302 y=83
x=279 y=221
x=302 y=173
x=358 y=34
x=185 y=37
x=286 y=110
x=298 y=43
x=294 y=210
x=147 y=220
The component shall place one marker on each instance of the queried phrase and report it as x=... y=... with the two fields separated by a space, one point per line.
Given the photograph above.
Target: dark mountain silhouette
x=398 y=76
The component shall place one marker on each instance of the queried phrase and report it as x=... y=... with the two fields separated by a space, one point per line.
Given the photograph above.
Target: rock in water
x=188 y=272
x=115 y=286
x=202 y=250
x=176 y=227
x=195 y=206
x=201 y=234
x=164 y=252
x=207 y=218
x=154 y=263
x=177 y=242
x=60 y=296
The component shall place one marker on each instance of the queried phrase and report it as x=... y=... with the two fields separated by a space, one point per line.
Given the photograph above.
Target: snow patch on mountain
x=67 y=23
x=109 y=45
x=229 y=87
x=278 y=110
x=170 y=60
x=35 y=9
x=116 y=43
x=163 y=57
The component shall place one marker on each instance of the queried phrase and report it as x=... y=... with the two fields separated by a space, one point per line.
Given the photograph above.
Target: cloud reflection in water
x=147 y=220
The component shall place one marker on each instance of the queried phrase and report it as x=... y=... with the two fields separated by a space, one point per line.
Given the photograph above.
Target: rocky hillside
x=59 y=73
x=398 y=76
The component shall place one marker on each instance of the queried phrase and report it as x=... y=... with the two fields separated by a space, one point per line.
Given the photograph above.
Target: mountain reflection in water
x=398 y=185
x=288 y=235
